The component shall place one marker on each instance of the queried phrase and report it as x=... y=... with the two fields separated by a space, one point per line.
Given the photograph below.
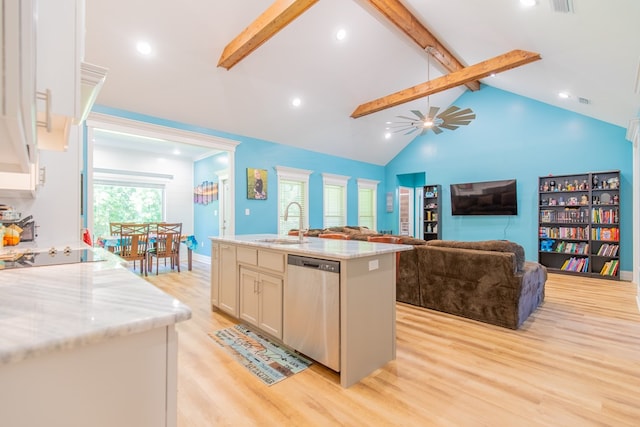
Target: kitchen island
x=87 y=343
x=251 y=275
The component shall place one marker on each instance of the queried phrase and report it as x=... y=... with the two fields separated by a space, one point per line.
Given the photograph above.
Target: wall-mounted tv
x=484 y=198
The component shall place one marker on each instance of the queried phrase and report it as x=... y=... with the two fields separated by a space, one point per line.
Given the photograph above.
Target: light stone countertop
x=60 y=307
x=315 y=246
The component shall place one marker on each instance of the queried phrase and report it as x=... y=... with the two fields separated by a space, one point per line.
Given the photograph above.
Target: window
x=125 y=203
x=334 y=200
x=367 y=202
x=293 y=186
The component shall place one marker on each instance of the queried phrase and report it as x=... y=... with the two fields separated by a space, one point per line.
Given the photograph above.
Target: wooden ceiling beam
x=274 y=19
x=396 y=13
x=500 y=63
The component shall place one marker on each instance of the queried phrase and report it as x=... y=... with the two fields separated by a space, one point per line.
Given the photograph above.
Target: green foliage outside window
x=123 y=203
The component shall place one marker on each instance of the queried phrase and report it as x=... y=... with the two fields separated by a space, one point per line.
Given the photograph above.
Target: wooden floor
x=575 y=362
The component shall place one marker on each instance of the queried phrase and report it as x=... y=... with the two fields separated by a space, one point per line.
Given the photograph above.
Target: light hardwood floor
x=575 y=362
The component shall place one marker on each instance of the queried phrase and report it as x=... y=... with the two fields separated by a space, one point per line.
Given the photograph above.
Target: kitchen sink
x=281 y=241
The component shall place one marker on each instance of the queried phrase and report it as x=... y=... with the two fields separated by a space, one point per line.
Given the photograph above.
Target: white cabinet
x=19 y=184
x=228 y=288
x=261 y=300
x=59 y=52
x=215 y=276
x=17 y=86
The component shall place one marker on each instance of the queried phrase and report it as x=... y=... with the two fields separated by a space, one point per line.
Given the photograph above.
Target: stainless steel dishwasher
x=312 y=309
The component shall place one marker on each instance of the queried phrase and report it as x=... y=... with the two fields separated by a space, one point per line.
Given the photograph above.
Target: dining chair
x=166 y=244
x=133 y=240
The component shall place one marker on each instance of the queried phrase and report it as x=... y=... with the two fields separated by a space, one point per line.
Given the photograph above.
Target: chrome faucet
x=286 y=217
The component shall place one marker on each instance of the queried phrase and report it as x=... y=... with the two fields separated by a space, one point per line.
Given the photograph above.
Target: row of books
x=573 y=247
x=566 y=215
x=610 y=268
x=581 y=233
x=604 y=233
x=608 y=250
x=605 y=216
x=576 y=264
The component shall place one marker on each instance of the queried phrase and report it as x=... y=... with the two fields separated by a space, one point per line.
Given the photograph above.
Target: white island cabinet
x=87 y=344
x=256 y=276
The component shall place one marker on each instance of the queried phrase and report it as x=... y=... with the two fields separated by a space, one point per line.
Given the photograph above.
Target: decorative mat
x=266 y=360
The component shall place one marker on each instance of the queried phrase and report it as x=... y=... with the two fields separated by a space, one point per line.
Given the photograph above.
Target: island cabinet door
x=228 y=283
x=249 y=295
x=271 y=304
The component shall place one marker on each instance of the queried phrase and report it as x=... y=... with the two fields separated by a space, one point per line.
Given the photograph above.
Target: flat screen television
x=484 y=198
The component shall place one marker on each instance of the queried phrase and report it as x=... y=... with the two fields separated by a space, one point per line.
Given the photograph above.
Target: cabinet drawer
x=271 y=260
x=247 y=255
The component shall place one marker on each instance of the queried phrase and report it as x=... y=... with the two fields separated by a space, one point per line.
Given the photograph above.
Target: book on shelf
x=610 y=268
x=576 y=264
x=608 y=249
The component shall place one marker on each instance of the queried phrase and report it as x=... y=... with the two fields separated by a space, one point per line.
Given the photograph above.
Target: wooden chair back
x=133 y=240
x=166 y=243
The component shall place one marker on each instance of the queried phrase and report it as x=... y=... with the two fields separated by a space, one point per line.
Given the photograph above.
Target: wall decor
x=256 y=184
x=205 y=193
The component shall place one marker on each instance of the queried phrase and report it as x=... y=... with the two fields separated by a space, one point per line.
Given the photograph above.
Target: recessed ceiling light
x=341 y=34
x=176 y=152
x=296 y=102
x=387 y=135
x=563 y=95
x=143 y=47
x=528 y=3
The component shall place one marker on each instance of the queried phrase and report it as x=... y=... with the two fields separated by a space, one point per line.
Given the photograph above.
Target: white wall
x=179 y=189
x=56 y=207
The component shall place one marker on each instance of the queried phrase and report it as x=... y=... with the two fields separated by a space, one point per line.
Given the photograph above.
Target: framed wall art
x=256 y=184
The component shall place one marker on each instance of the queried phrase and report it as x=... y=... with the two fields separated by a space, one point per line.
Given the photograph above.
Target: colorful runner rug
x=266 y=360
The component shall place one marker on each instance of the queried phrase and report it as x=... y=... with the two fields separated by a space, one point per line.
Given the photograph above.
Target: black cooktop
x=53 y=257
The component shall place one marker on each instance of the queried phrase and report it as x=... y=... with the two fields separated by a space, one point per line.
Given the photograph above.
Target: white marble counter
x=314 y=246
x=46 y=309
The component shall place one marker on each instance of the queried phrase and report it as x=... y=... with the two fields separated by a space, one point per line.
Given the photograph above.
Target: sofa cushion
x=486 y=245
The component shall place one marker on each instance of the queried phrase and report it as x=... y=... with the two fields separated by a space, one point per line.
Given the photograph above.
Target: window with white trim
x=367 y=202
x=334 y=200
x=293 y=187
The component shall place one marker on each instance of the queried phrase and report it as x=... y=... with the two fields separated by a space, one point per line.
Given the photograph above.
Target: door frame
x=150 y=130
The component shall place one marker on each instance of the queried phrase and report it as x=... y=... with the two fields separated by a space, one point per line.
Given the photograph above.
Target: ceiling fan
x=451 y=118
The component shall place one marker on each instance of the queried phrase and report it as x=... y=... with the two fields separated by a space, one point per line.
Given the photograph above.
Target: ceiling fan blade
x=418 y=114
x=449 y=110
x=448 y=126
x=411 y=119
x=411 y=131
x=436 y=130
x=432 y=112
x=458 y=122
x=462 y=113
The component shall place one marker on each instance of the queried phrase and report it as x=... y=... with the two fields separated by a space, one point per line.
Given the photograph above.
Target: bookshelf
x=579 y=223
x=432 y=214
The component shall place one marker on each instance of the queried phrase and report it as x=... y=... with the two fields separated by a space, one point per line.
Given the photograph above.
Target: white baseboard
x=201 y=258
x=626 y=275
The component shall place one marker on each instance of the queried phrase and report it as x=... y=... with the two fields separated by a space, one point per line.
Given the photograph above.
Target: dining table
x=111 y=242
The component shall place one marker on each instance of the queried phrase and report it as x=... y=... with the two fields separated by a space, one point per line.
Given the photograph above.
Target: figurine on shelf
x=575 y=184
x=596 y=180
x=584 y=200
x=616 y=199
x=552 y=185
x=545 y=187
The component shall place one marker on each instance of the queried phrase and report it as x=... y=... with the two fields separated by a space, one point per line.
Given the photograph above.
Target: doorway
x=142 y=141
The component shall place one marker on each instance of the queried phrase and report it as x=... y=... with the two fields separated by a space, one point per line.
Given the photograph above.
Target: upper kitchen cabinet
x=17 y=86
x=66 y=87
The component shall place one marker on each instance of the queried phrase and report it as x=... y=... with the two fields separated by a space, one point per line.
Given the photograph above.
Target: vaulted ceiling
x=592 y=52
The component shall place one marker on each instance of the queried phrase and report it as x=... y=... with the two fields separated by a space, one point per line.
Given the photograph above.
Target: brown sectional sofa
x=488 y=281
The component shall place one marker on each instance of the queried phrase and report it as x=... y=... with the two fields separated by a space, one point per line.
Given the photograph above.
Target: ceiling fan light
x=427 y=124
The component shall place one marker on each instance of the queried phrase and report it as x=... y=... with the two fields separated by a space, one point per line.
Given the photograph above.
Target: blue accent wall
x=514 y=137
